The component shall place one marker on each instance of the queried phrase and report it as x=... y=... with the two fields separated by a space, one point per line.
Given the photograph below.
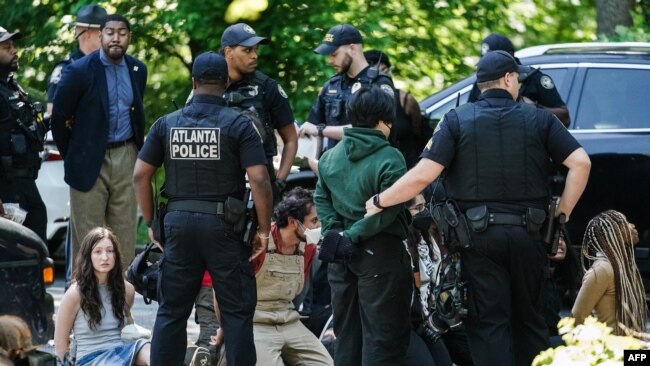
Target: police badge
x=355 y=87
x=546 y=82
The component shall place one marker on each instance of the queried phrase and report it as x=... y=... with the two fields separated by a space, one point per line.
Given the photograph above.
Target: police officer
x=206 y=149
x=252 y=91
x=344 y=50
x=537 y=88
x=494 y=153
x=86 y=32
x=22 y=133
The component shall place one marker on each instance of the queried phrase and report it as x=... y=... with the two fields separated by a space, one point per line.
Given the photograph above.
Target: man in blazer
x=98 y=126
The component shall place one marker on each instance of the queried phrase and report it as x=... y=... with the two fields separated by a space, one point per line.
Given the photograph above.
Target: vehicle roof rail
x=641 y=48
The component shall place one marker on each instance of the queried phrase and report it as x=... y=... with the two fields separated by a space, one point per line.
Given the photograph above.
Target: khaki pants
x=110 y=202
x=291 y=342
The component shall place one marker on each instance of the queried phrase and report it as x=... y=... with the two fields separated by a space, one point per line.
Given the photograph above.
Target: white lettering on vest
x=194 y=143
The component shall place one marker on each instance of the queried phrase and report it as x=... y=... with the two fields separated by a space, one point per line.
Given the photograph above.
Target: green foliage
x=432 y=43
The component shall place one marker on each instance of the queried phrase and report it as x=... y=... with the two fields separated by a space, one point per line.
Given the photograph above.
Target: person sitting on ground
x=97 y=306
x=612 y=287
x=280 y=337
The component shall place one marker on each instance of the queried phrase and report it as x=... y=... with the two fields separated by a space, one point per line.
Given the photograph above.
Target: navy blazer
x=82 y=95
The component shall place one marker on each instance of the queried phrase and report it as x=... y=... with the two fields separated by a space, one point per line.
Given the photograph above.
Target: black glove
x=337 y=248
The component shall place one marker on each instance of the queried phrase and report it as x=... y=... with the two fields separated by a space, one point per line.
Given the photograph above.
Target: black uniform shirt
x=276 y=101
x=250 y=148
x=317 y=113
x=538 y=87
x=558 y=141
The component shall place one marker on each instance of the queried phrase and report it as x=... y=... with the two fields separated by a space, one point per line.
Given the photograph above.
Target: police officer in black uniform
x=495 y=153
x=86 y=32
x=22 y=133
x=537 y=88
x=206 y=149
x=344 y=50
x=259 y=97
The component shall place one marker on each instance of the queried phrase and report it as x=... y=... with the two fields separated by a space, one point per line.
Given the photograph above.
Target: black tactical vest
x=499 y=155
x=21 y=136
x=201 y=160
x=248 y=99
x=335 y=96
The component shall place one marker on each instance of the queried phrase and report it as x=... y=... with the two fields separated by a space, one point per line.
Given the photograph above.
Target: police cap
x=241 y=34
x=495 y=64
x=5 y=35
x=210 y=66
x=339 y=35
x=495 y=42
x=90 y=16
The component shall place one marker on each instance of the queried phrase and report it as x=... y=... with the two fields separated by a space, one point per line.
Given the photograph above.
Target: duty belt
x=206 y=207
x=506 y=219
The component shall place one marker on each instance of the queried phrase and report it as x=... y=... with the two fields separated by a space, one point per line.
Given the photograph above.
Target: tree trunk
x=610 y=13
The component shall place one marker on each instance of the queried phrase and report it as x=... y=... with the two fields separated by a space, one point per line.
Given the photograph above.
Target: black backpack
x=143 y=273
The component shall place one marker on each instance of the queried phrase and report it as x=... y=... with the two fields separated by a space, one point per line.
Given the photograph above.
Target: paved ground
x=143 y=314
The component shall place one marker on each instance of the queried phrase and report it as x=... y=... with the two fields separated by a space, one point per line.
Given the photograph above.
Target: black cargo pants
x=196 y=242
x=505 y=269
x=371 y=300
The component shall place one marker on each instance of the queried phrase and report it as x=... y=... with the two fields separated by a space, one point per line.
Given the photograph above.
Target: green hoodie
x=360 y=166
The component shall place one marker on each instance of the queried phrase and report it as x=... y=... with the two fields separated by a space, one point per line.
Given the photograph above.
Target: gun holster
x=235 y=214
x=158 y=223
x=452 y=225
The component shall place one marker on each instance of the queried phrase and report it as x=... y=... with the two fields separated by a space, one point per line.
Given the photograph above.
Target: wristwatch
x=148 y=222
x=375 y=201
x=321 y=127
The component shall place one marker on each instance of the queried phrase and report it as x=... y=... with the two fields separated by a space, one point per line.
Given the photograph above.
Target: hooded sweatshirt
x=360 y=166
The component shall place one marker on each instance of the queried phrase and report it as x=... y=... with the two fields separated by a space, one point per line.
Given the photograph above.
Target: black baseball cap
x=210 y=66
x=339 y=35
x=90 y=16
x=241 y=34
x=496 y=42
x=5 y=35
x=495 y=64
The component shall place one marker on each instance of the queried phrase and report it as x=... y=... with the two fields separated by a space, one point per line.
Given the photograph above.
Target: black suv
x=606 y=87
x=25 y=270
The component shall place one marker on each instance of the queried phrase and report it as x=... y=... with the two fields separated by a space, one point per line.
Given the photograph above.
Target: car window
x=614 y=99
x=437 y=114
x=559 y=78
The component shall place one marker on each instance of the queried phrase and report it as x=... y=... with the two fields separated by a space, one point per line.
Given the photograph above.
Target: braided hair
x=609 y=234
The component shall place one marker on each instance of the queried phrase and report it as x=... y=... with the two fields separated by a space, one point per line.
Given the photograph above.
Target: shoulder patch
x=428 y=146
x=56 y=74
x=387 y=89
x=546 y=82
x=355 y=87
x=282 y=92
